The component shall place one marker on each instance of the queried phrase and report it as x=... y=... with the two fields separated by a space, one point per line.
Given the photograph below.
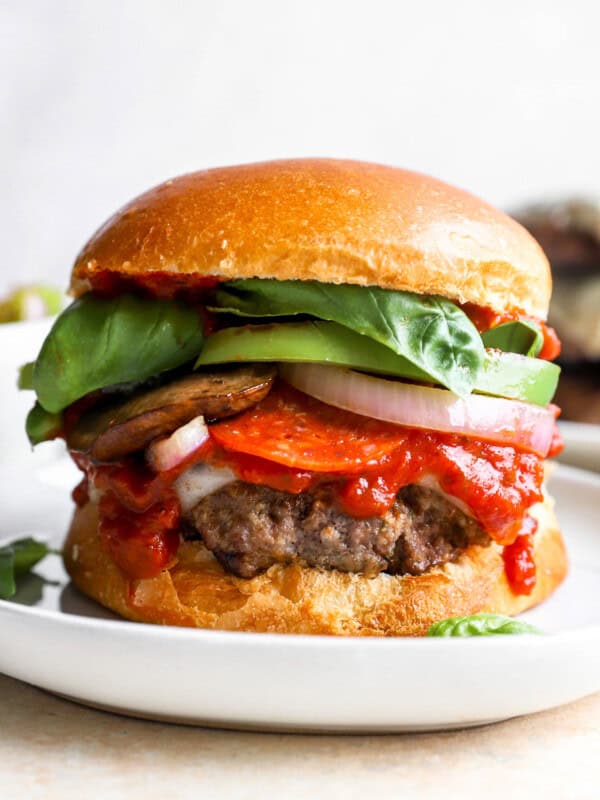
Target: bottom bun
x=197 y=592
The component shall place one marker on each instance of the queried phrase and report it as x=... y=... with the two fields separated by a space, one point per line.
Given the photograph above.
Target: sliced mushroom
x=110 y=432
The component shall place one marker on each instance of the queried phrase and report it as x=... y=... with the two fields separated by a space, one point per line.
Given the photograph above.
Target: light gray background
x=99 y=100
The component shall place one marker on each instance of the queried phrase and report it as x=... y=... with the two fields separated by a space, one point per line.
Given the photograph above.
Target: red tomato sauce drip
x=372 y=493
x=499 y=484
x=141 y=544
x=139 y=518
x=519 y=560
x=138 y=513
x=486 y=318
x=166 y=285
x=552 y=346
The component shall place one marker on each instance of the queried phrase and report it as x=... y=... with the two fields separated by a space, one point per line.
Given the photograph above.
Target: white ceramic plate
x=54 y=638
x=582 y=445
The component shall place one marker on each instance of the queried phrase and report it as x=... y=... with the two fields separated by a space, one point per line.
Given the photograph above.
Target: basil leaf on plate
x=41 y=425
x=16 y=560
x=515 y=337
x=98 y=342
x=481 y=625
x=429 y=331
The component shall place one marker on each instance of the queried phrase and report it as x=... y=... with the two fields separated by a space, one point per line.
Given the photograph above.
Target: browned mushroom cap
x=122 y=427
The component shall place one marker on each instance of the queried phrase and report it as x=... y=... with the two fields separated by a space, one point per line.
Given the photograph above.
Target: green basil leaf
x=41 y=425
x=430 y=332
x=481 y=625
x=98 y=342
x=503 y=374
x=25 y=379
x=7 y=573
x=16 y=560
x=27 y=553
x=515 y=337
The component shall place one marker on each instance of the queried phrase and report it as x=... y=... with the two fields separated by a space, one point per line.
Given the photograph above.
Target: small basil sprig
x=429 y=331
x=98 y=342
x=520 y=337
x=16 y=560
x=480 y=625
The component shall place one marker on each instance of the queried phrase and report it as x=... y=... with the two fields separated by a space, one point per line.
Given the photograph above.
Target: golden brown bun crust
x=295 y=599
x=328 y=220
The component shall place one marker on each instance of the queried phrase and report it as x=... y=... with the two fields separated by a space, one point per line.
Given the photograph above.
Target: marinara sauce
x=485 y=318
x=165 y=285
x=138 y=511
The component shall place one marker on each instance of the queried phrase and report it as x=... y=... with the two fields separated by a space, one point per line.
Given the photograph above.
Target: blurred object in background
x=569 y=232
x=30 y=303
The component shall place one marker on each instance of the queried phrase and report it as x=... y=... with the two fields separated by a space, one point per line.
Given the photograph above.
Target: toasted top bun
x=328 y=220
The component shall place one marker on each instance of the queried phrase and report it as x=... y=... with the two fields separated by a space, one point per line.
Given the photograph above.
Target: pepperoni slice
x=294 y=429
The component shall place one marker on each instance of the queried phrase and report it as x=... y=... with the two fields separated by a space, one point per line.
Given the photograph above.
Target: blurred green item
x=31 y=302
x=481 y=625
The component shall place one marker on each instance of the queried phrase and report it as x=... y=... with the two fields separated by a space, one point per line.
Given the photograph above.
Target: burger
x=306 y=396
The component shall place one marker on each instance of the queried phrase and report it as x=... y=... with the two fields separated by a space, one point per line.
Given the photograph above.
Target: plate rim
x=266 y=639
x=579 y=432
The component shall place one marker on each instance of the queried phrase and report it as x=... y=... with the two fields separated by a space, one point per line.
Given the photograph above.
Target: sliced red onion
x=165 y=454
x=490 y=419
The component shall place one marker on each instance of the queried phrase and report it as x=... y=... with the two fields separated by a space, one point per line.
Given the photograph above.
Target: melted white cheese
x=431 y=482
x=199 y=481
x=202 y=479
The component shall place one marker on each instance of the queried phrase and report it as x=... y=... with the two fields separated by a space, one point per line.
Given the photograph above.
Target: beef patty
x=250 y=527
